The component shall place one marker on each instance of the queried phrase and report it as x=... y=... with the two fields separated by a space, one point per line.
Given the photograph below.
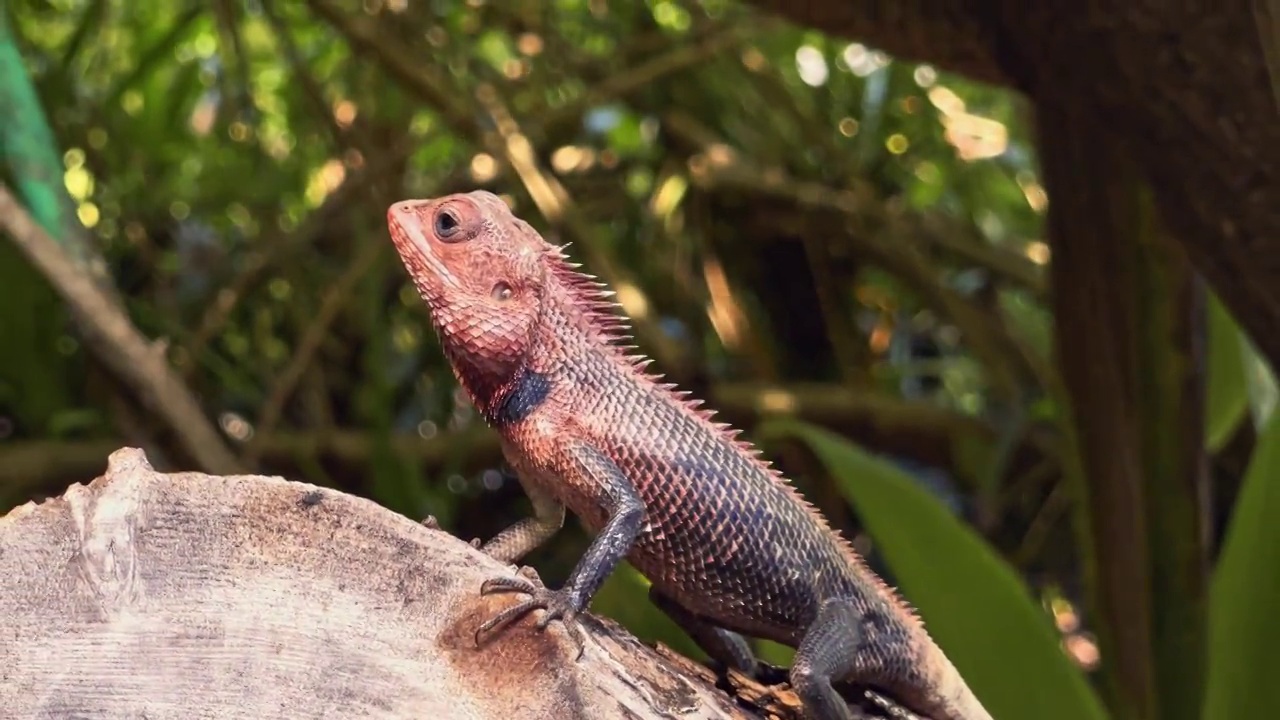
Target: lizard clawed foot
x=555 y=604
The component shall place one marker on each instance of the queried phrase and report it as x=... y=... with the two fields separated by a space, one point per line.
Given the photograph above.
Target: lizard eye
x=446 y=224
x=502 y=292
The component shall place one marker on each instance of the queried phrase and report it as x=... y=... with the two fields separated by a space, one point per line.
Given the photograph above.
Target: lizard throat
x=503 y=399
x=518 y=399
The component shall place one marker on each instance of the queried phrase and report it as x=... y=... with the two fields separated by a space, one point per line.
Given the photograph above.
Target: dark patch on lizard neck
x=524 y=394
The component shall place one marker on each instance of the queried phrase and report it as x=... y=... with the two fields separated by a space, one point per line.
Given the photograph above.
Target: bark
x=1183 y=87
x=150 y=595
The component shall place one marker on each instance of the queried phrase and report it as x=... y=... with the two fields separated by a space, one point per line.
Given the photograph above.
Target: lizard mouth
x=404 y=221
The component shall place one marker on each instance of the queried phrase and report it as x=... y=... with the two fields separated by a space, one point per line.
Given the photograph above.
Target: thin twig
x=1266 y=15
x=270 y=254
x=302 y=73
x=1003 y=356
x=622 y=84
x=240 y=99
x=859 y=201
x=1055 y=505
x=335 y=299
x=366 y=36
x=829 y=288
x=513 y=149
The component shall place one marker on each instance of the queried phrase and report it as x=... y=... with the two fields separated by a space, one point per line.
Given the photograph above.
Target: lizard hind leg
x=829 y=650
x=725 y=647
x=848 y=641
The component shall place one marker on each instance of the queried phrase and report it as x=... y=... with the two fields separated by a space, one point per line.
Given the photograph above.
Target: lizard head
x=481 y=272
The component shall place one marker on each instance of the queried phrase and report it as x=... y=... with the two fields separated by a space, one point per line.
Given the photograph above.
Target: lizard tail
x=953 y=700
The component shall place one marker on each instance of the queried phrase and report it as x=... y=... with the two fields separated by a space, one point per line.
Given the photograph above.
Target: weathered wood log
x=152 y=595
x=187 y=595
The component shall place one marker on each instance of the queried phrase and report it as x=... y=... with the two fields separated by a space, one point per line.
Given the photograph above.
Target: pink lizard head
x=481 y=271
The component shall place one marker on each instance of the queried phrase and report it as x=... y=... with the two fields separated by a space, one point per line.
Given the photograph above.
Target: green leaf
x=1227 y=393
x=1261 y=381
x=1243 y=632
x=974 y=604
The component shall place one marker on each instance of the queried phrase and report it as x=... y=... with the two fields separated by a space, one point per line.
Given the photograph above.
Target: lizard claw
x=556 y=604
x=510 y=584
x=431 y=522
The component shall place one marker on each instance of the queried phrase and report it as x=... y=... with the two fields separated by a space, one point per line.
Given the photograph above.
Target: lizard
x=729 y=546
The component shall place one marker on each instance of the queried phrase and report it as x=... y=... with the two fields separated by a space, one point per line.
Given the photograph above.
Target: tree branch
x=274 y=248
x=949 y=33
x=719 y=166
x=111 y=335
x=510 y=146
x=560 y=209
x=335 y=299
x=922 y=431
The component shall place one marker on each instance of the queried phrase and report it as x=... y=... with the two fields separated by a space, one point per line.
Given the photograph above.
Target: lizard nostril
x=406 y=211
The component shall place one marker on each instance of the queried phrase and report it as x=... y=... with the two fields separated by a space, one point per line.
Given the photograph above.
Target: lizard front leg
x=523 y=536
x=588 y=468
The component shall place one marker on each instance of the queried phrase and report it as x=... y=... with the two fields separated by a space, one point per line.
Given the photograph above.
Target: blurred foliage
x=976 y=606
x=801 y=227
x=1247 y=583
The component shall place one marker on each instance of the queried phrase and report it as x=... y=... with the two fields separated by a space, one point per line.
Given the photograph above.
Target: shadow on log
x=154 y=595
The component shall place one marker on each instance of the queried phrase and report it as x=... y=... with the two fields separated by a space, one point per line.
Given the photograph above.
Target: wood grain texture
x=186 y=595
